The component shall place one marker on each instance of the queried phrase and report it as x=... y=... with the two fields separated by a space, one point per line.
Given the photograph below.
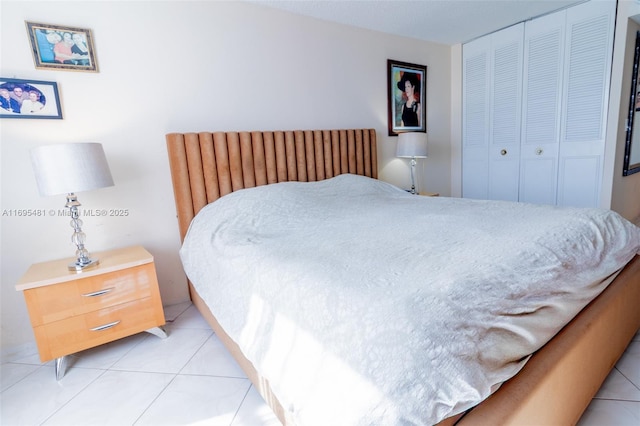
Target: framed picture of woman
x=407 y=95
x=62 y=48
x=29 y=99
x=631 y=163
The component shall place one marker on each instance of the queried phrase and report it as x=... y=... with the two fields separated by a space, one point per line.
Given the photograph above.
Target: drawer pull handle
x=105 y=326
x=98 y=293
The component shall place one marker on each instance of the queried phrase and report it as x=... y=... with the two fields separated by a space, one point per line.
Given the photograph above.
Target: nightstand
x=73 y=311
x=429 y=194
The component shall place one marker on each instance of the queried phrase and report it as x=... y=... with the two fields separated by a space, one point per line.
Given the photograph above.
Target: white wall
x=174 y=66
x=624 y=190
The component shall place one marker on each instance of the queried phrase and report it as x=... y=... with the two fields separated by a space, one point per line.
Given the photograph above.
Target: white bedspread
x=365 y=305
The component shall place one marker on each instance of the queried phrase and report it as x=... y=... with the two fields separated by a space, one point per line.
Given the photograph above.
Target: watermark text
x=65 y=212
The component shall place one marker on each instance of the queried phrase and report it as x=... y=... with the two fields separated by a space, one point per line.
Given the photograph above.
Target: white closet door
x=505 y=113
x=587 y=70
x=475 y=118
x=492 y=87
x=544 y=57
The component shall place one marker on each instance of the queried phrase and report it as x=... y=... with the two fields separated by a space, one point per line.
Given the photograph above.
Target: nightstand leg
x=61 y=366
x=158 y=331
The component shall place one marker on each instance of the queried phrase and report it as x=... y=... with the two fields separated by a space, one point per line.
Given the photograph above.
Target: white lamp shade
x=70 y=167
x=412 y=145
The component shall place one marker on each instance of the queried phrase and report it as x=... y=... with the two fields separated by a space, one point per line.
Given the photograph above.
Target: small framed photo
x=407 y=95
x=62 y=48
x=29 y=99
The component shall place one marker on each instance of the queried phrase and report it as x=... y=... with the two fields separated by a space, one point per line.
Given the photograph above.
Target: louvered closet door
x=505 y=112
x=475 y=118
x=543 y=66
x=492 y=85
x=587 y=70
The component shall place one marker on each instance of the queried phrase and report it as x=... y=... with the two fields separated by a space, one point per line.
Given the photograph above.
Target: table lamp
x=66 y=169
x=412 y=145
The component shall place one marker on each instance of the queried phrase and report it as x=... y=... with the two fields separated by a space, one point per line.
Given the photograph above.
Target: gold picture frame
x=62 y=48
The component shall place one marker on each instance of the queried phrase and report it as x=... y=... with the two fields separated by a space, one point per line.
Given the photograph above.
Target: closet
x=535 y=99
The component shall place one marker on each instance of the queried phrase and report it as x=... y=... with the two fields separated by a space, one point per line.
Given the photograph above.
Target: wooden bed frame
x=554 y=387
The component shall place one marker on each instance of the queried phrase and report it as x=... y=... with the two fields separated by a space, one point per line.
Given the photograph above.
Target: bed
x=551 y=387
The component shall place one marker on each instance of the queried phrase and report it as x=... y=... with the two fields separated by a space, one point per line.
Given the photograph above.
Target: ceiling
x=440 y=21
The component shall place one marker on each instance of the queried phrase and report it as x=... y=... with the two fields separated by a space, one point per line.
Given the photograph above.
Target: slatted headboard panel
x=206 y=166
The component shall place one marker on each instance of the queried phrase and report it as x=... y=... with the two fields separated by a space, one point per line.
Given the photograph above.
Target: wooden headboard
x=206 y=166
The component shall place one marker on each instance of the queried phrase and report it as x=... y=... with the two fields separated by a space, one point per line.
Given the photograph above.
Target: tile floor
x=190 y=379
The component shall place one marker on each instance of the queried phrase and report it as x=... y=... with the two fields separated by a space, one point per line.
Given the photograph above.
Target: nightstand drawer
x=77 y=333
x=52 y=303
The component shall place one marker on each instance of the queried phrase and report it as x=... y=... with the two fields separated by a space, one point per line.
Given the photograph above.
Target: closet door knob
x=503 y=152
x=539 y=151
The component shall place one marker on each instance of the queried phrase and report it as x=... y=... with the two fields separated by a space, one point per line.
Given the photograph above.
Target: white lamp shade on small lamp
x=412 y=145
x=70 y=167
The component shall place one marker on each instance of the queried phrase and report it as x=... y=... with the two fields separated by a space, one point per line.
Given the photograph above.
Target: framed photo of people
x=631 y=163
x=62 y=48
x=407 y=95
x=29 y=99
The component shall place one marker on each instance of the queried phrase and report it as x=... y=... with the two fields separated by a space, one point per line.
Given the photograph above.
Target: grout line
x=76 y=395
x=213 y=375
x=154 y=399
x=630 y=381
x=194 y=353
x=24 y=377
x=233 y=419
x=130 y=349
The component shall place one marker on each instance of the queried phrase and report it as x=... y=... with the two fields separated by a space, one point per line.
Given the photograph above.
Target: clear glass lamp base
x=78 y=238
x=79 y=266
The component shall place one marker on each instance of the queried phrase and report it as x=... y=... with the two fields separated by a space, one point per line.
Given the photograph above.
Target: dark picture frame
x=62 y=48
x=402 y=79
x=631 y=163
x=29 y=99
